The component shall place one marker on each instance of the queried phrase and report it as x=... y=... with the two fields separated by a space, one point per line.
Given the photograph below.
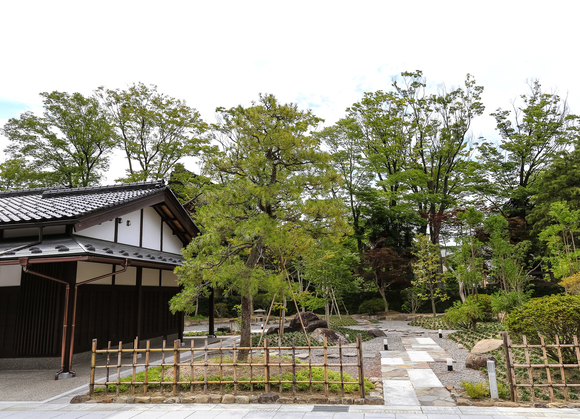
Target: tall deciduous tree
x=532 y=133
x=68 y=145
x=269 y=195
x=154 y=130
x=426 y=269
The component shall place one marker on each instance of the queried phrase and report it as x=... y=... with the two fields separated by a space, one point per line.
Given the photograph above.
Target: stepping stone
x=392 y=361
x=420 y=356
x=424 y=378
x=399 y=393
x=302 y=356
x=426 y=341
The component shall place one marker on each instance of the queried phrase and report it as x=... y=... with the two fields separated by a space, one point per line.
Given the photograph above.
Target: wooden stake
x=119 y=367
x=361 y=366
x=509 y=366
x=267 y=364
x=147 y=349
x=267 y=319
x=549 y=375
x=341 y=368
x=93 y=362
x=162 y=366
x=530 y=375
x=325 y=367
x=562 y=368
x=293 y=367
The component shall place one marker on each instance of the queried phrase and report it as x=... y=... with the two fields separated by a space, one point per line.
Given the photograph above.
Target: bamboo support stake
x=119 y=367
x=108 y=362
x=146 y=378
x=134 y=376
x=267 y=319
x=530 y=375
x=191 y=369
x=549 y=375
x=293 y=367
x=562 y=372
x=267 y=365
x=205 y=369
x=361 y=366
x=93 y=362
x=577 y=350
x=162 y=379
x=221 y=367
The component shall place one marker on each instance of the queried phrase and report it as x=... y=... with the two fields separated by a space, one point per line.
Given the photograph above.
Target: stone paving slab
x=399 y=393
x=424 y=378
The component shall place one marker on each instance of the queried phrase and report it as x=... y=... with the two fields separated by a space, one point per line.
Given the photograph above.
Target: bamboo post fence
x=550 y=366
x=178 y=368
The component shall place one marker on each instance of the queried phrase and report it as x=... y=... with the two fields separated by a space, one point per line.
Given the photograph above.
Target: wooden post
x=509 y=366
x=562 y=372
x=93 y=362
x=325 y=368
x=146 y=379
x=192 y=368
x=293 y=367
x=162 y=365
x=251 y=368
x=360 y=363
x=577 y=350
x=235 y=365
x=176 y=345
x=280 y=362
x=222 y=368
x=530 y=371
x=310 y=365
x=548 y=373
x=267 y=365
x=108 y=362
x=119 y=366
x=205 y=369
x=133 y=377
x=341 y=368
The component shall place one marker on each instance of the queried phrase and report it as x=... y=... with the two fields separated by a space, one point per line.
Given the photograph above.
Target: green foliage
x=556 y=315
x=222 y=310
x=432 y=323
x=217 y=333
x=466 y=314
x=372 y=306
x=426 y=270
x=477 y=390
x=155 y=130
x=68 y=145
x=336 y=321
x=505 y=302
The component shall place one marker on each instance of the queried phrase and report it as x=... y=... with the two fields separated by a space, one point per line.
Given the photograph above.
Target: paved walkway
x=13 y=410
x=407 y=377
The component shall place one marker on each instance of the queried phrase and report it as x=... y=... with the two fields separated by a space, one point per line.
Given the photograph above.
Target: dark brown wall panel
x=8 y=312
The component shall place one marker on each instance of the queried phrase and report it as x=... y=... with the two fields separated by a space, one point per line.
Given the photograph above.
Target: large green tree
x=154 y=131
x=268 y=196
x=68 y=145
x=533 y=132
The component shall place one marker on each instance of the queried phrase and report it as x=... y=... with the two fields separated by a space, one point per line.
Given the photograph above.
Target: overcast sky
x=320 y=54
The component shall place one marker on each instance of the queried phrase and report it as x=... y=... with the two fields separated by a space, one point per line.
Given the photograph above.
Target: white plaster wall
x=33 y=232
x=171 y=243
x=150 y=277
x=129 y=234
x=103 y=231
x=126 y=278
x=10 y=275
x=169 y=279
x=151 y=229
x=88 y=270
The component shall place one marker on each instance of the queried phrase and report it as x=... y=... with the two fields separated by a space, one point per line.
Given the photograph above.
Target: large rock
x=274 y=330
x=307 y=318
x=332 y=336
x=477 y=361
x=486 y=345
x=376 y=333
x=268 y=398
x=312 y=326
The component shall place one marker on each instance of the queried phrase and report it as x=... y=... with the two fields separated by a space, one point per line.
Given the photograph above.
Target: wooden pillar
x=71 y=278
x=139 y=284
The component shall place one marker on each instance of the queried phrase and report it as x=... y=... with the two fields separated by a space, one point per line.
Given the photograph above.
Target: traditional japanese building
x=86 y=263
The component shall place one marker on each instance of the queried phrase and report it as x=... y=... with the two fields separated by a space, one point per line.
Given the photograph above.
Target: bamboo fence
x=199 y=360
x=546 y=366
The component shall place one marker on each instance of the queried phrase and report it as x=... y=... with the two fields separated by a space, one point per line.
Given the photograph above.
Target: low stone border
x=267 y=398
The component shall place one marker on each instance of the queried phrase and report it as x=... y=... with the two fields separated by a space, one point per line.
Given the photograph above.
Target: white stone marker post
x=492 y=379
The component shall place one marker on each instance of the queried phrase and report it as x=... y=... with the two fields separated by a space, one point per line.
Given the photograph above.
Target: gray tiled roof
x=63 y=245
x=68 y=203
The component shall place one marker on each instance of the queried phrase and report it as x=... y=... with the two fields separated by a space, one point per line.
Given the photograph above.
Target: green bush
x=506 y=302
x=556 y=315
x=372 y=306
x=466 y=314
x=475 y=391
x=222 y=310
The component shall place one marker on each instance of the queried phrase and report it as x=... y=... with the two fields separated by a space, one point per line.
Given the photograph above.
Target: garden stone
x=540 y=405
x=157 y=399
x=319 y=400
x=268 y=398
x=201 y=399
x=315 y=325
x=171 y=400
x=374 y=400
x=475 y=361
x=228 y=399
x=307 y=318
x=142 y=399
x=376 y=333
x=253 y=399
x=241 y=399
x=188 y=400
x=486 y=345
x=285 y=400
x=347 y=400
x=215 y=398
x=80 y=399
x=463 y=402
x=332 y=336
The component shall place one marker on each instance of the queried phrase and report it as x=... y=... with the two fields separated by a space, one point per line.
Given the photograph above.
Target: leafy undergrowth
x=468 y=338
x=481 y=390
x=342 y=321
x=204 y=333
x=301 y=340
x=302 y=374
x=432 y=323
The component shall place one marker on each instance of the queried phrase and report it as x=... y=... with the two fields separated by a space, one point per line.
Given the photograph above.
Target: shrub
x=466 y=314
x=475 y=391
x=506 y=302
x=372 y=306
x=556 y=315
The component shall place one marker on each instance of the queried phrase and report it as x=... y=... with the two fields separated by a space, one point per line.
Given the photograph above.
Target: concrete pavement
x=54 y=410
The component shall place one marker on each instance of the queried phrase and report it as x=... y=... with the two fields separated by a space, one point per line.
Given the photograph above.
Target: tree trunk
x=245 y=333
x=196 y=305
x=382 y=292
